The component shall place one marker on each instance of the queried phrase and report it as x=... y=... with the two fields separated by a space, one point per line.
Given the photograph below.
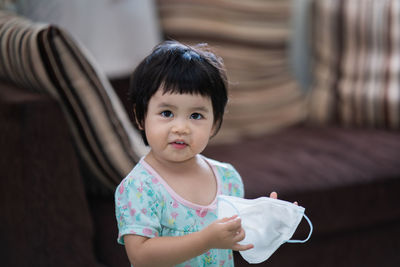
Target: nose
x=180 y=127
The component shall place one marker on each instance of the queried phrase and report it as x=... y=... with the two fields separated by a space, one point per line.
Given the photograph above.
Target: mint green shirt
x=146 y=205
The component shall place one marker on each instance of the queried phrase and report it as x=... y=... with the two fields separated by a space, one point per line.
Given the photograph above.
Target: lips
x=178 y=144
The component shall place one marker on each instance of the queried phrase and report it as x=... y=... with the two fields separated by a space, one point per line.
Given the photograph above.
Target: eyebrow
x=166 y=105
x=204 y=109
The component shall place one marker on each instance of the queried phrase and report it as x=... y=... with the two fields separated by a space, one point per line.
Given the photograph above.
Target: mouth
x=178 y=144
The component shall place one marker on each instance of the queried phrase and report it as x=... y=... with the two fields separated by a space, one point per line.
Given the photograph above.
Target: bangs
x=187 y=81
x=185 y=72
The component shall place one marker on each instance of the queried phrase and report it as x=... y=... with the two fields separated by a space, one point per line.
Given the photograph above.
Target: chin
x=181 y=159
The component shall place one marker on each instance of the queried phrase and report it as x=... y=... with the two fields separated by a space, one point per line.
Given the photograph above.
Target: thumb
x=238 y=247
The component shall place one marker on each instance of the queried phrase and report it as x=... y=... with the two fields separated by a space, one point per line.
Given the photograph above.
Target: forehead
x=178 y=100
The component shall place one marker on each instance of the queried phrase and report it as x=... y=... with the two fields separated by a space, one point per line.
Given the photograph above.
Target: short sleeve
x=232 y=184
x=137 y=209
x=237 y=188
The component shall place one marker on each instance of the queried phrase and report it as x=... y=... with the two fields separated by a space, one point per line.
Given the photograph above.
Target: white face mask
x=268 y=223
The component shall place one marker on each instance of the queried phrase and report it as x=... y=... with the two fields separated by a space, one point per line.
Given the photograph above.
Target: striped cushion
x=357 y=63
x=46 y=59
x=251 y=36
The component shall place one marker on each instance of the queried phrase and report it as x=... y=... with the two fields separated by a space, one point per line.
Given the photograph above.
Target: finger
x=273 y=195
x=223 y=220
x=234 y=217
x=227 y=219
x=239 y=247
x=240 y=235
x=296 y=203
x=234 y=225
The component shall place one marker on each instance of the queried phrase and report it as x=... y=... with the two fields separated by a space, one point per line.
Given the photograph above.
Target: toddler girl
x=166 y=206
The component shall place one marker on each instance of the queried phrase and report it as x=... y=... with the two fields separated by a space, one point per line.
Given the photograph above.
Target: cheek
x=155 y=139
x=153 y=130
x=203 y=136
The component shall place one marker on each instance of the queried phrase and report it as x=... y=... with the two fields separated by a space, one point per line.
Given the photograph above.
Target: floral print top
x=146 y=205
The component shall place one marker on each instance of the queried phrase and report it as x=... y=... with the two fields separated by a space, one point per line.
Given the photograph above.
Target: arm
x=169 y=251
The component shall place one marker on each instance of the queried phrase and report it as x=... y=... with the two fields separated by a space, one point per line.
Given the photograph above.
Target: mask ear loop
x=309 y=235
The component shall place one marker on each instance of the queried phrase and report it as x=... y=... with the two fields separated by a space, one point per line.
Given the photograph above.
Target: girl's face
x=178 y=126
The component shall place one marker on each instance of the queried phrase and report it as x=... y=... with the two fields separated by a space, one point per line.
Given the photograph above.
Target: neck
x=174 y=167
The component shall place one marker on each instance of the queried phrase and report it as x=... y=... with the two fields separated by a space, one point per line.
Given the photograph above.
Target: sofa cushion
x=252 y=37
x=346 y=178
x=356 y=63
x=45 y=219
x=46 y=59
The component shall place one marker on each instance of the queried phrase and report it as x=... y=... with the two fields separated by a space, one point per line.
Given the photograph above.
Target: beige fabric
x=251 y=36
x=357 y=63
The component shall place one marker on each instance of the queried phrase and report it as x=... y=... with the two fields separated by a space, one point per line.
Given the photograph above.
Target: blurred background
x=252 y=38
x=314 y=114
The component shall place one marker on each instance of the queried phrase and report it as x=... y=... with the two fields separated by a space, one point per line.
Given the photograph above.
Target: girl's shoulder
x=231 y=181
x=139 y=176
x=224 y=167
x=216 y=163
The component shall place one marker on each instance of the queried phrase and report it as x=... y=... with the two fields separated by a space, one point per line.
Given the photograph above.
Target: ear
x=214 y=129
x=139 y=124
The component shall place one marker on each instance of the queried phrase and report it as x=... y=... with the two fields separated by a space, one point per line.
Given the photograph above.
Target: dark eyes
x=167 y=114
x=196 y=116
x=193 y=116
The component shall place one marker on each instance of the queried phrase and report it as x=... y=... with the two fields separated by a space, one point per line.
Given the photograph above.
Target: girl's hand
x=275 y=196
x=225 y=234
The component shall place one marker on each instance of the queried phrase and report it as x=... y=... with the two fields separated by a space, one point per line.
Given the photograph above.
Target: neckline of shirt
x=176 y=196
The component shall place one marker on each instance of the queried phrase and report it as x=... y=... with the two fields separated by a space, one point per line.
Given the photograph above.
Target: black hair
x=178 y=68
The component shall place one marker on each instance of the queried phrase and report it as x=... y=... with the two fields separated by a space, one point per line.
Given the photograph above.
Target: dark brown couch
x=45 y=213
x=348 y=180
